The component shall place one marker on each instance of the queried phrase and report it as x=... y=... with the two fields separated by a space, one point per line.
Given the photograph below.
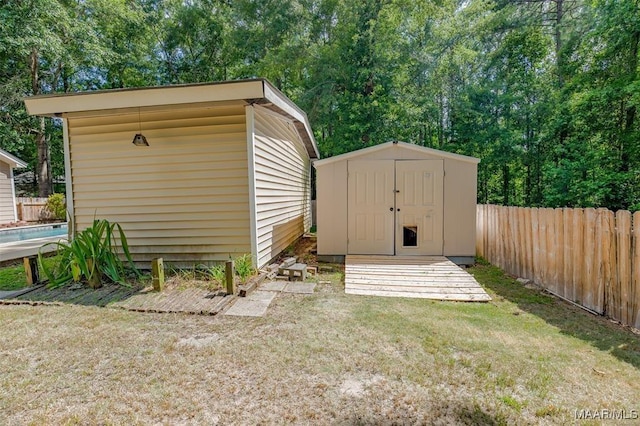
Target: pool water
x=21 y=234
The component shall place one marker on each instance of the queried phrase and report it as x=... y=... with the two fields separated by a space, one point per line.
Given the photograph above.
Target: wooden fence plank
x=635 y=272
x=535 y=238
x=578 y=249
x=567 y=253
x=512 y=248
x=588 y=278
x=497 y=232
x=543 y=215
x=528 y=244
x=607 y=258
x=479 y=231
x=623 y=254
x=558 y=272
x=491 y=236
x=520 y=241
x=602 y=269
x=502 y=222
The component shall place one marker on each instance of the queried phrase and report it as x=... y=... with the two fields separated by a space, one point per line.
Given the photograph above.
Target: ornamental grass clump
x=91 y=256
x=244 y=267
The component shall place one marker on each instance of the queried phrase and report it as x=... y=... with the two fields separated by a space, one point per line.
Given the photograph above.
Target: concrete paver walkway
x=256 y=303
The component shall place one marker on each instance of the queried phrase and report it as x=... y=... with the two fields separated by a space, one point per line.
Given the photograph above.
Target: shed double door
x=395 y=207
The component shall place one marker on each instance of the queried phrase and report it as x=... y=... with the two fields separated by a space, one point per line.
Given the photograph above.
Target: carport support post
x=157 y=273
x=31 y=268
x=231 y=288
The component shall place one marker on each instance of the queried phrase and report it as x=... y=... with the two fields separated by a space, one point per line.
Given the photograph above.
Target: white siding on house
x=7 y=207
x=184 y=198
x=282 y=184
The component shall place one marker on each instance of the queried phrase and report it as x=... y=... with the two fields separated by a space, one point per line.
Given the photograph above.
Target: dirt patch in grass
x=328 y=358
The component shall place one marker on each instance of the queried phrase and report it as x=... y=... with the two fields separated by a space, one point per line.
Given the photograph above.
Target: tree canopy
x=545 y=92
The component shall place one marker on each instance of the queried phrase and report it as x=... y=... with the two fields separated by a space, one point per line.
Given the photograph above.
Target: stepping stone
x=298 y=287
x=264 y=296
x=273 y=286
x=254 y=305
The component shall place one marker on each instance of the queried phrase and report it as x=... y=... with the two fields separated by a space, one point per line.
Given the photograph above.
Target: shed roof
x=247 y=92
x=395 y=145
x=15 y=162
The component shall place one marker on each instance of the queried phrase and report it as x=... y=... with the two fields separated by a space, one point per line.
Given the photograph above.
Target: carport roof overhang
x=105 y=102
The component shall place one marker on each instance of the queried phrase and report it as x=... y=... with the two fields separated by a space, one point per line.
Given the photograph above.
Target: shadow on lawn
x=450 y=411
x=571 y=320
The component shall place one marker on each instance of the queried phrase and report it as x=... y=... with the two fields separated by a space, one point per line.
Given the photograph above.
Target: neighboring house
x=8 y=162
x=193 y=173
x=399 y=199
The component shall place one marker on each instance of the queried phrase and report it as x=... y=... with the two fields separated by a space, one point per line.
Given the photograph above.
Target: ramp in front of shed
x=426 y=277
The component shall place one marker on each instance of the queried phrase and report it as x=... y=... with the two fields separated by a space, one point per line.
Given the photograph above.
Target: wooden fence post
x=231 y=288
x=157 y=273
x=31 y=269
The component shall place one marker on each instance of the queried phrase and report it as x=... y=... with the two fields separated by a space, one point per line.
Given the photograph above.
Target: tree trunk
x=43 y=168
x=506 y=178
x=45 y=183
x=558 y=40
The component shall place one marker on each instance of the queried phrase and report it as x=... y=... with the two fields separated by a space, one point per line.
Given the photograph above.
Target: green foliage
x=14 y=277
x=56 y=207
x=92 y=255
x=243 y=266
x=218 y=273
x=545 y=93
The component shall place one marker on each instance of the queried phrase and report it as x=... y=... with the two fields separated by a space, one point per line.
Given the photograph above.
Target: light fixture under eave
x=140 y=140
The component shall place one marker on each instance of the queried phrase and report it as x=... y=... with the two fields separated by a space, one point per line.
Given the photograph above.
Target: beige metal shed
x=397 y=199
x=226 y=170
x=8 y=162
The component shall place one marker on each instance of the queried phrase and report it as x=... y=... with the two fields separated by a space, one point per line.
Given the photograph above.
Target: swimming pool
x=32 y=232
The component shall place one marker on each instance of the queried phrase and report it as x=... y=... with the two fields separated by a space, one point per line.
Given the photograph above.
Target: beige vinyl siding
x=282 y=184
x=7 y=212
x=184 y=197
x=331 y=208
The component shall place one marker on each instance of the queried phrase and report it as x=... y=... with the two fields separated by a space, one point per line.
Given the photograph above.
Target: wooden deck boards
x=189 y=300
x=427 y=277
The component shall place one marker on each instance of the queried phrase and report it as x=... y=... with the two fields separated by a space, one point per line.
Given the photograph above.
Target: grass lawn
x=328 y=358
x=13 y=277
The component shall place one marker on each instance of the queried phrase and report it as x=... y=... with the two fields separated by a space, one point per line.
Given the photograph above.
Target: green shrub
x=218 y=274
x=55 y=207
x=91 y=256
x=244 y=267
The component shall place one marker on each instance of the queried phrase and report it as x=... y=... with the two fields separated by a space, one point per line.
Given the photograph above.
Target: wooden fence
x=588 y=256
x=30 y=209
